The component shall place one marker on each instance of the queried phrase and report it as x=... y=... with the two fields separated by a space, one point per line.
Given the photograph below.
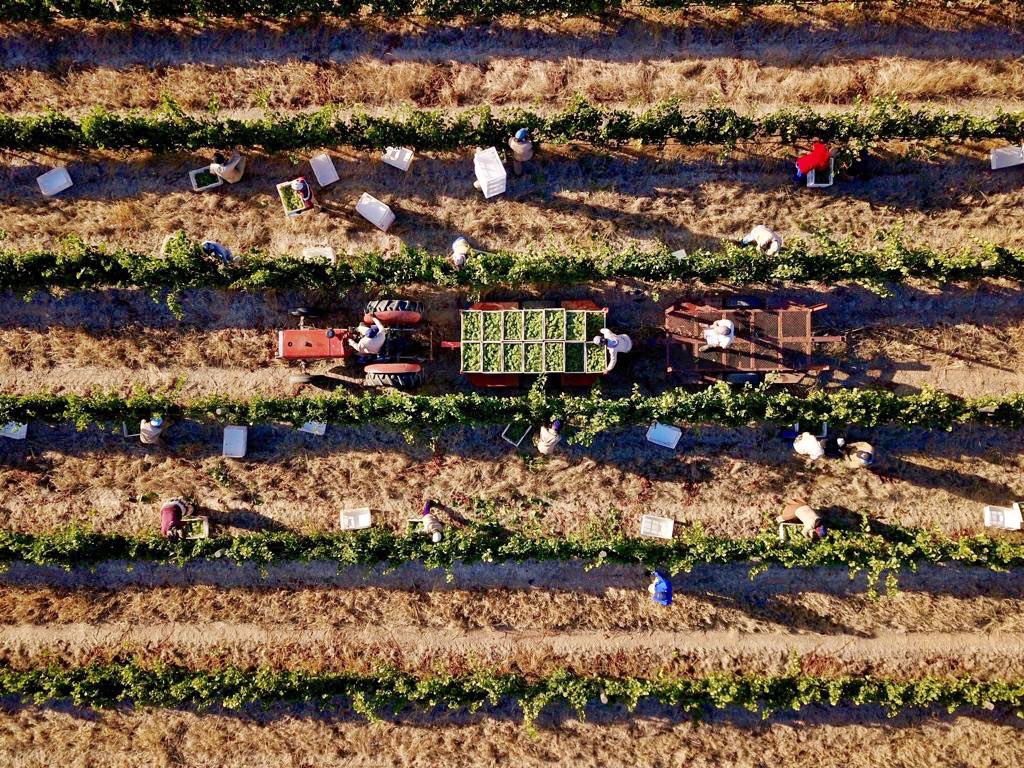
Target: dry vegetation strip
x=731 y=481
x=32 y=737
x=686 y=199
x=975 y=86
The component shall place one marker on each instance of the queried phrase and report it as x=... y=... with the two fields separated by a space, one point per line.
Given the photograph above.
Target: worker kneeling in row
x=800 y=512
x=549 y=437
x=431 y=525
x=858 y=455
x=171 y=515
x=767 y=242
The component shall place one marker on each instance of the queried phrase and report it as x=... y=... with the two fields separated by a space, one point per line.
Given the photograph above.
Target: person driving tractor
x=371 y=339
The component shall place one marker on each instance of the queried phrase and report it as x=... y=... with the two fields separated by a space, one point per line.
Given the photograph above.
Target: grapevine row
x=373 y=695
x=822 y=258
x=171 y=129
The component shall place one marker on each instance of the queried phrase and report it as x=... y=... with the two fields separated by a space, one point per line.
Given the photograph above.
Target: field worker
x=808 y=445
x=229 y=170
x=718 y=335
x=214 y=249
x=550 y=437
x=617 y=343
x=460 y=252
x=799 y=511
x=660 y=589
x=815 y=160
x=859 y=455
x=431 y=525
x=150 y=429
x=767 y=242
x=522 y=150
x=305 y=192
x=171 y=513
x=372 y=338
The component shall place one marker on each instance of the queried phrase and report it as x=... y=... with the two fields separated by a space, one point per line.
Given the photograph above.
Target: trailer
x=772 y=337
x=503 y=341
x=399 y=363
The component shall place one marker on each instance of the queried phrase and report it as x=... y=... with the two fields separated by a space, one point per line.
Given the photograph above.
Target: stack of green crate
x=532 y=341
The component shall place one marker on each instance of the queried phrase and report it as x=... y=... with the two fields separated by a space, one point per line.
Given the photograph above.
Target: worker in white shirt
x=522 y=150
x=549 y=437
x=431 y=525
x=371 y=339
x=767 y=242
x=718 y=335
x=150 y=429
x=229 y=170
x=617 y=343
x=799 y=511
x=460 y=252
x=808 y=445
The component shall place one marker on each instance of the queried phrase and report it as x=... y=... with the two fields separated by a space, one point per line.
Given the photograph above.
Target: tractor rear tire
x=394 y=305
x=300 y=378
x=396 y=380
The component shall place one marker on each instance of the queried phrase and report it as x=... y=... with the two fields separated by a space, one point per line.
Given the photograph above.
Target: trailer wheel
x=743 y=302
x=394 y=305
x=300 y=378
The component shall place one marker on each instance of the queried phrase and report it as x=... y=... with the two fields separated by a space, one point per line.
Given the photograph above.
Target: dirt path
x=688 y=199
x=731 y=481
x=990 y=656
x=33 y=737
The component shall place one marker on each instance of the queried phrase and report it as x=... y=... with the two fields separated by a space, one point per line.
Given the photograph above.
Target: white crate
x=52 y=182
x=314 y=428
x=1008 y=518
x=398 y=157
x=812 y=179
x=664 y=435
x=323 y=169
x=355 y=519
x=236 y=441
x=14 y=431
x=489 y=172
x=192 y=177
x=654 y=527
x=319 y=253
x=374 y=211
x=1007 y=157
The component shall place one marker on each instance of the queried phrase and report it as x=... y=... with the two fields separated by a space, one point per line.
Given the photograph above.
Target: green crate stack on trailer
x=532 y=341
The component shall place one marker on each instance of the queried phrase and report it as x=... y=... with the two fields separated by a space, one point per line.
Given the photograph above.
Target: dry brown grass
x=33 y=737
x=738 y=82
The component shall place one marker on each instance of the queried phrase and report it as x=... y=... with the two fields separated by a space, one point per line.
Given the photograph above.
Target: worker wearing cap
x=229 y=170
x=171 y=514
x=808 y=445
x=150 y=429
x=799 y=511
x=372 y=338
x=549 y=437
x=617 y=344
x=859 y=455
x=460 y=252
x=660 y=589
x=767 y=241
x=431 y=525
x=718 y=335
x=305 y=193
x=522 y=150
x=216 y=250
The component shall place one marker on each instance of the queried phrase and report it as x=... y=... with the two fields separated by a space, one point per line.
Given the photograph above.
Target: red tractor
x=395 y=365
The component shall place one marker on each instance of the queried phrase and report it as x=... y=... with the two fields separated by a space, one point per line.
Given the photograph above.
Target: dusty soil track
x=686 y=198
x=32 y=737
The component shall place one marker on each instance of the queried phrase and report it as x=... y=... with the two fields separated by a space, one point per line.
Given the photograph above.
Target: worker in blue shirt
x=661 y=589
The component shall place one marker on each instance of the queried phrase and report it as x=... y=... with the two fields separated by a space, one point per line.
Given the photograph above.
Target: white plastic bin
x=14 y=431
x=1007 y=157
x=355 y=519
x=193 y=176
x=489 y=172
x=319 y=253
x=323 y=169
x=654 y=527
x=236 y=440
x=398 y=157
x=375 y=212
x=314 y=428
x=1008 y=518
x=52 y=182
x=812 y=177
x=664 y=435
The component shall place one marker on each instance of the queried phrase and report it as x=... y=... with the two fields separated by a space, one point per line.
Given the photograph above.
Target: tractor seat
x=394 y=317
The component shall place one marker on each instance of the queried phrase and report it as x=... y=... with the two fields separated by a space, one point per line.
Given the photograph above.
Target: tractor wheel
x=394 y=305
x=396 y=380
x=300 y=378
x=743 y=302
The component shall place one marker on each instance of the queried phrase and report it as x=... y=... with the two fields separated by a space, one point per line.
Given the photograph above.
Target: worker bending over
x=372 y=338
x=617 y=343
x=815 y=160
x=810 y=446
x=171 y=514
x=767 y=241
x=799 y=511
x=549 y=437
x=229 y=170
x=460 y=252
x=431 y=525
x=522 y=150
x=150 y=429
x=859 y=455
x=718 y=335
x=213 y=249
x=660 y=589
